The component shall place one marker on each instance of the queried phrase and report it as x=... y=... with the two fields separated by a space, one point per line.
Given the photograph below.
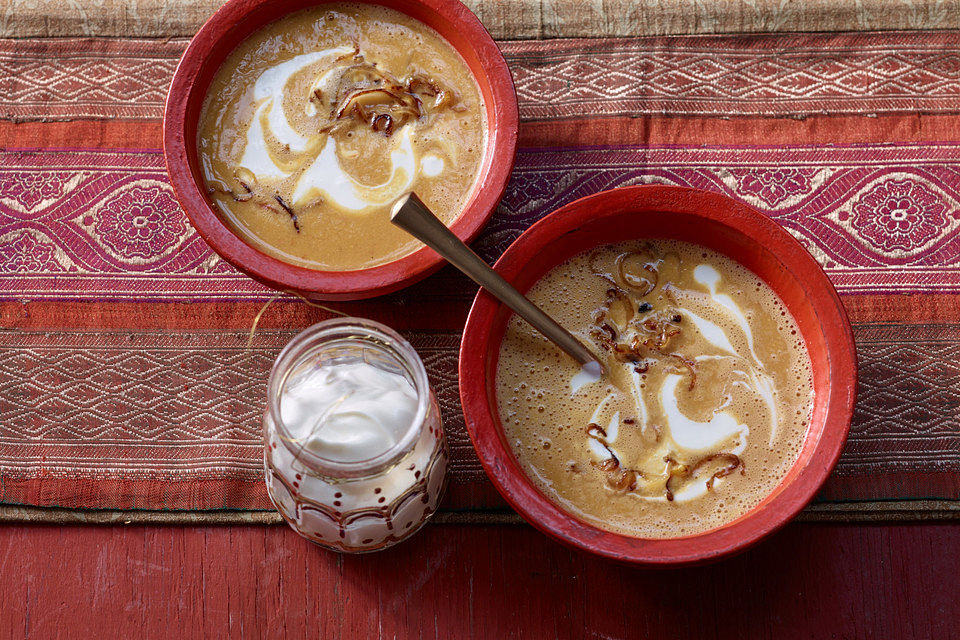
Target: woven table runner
x=127 y=390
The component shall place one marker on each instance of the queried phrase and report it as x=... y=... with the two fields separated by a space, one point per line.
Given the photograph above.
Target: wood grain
x=810 y=581
x=509 y=19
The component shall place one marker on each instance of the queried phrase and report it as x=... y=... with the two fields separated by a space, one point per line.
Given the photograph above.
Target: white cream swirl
x=722 y=433
x=268 y=94
x=325 y=177
x=322 y=176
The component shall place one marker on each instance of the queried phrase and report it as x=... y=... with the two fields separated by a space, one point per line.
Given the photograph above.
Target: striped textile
x=124 y=378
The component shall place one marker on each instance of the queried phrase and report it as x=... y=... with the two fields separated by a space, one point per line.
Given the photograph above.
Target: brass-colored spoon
x=412 y=215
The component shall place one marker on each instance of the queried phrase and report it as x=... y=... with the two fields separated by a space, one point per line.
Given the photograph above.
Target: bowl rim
x=179 y=148
x=512 y=482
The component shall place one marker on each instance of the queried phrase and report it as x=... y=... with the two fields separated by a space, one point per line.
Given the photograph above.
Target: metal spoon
x=410 y=214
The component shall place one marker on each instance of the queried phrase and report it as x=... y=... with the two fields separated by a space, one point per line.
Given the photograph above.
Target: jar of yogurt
x=354 y=450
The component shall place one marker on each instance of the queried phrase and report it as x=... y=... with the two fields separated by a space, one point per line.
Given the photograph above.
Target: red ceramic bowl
x=238 y=19
x=713 y=221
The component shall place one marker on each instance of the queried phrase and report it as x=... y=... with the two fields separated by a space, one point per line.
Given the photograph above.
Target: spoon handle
x=413 y=216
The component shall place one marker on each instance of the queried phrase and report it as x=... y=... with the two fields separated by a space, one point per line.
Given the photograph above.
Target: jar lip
x=340 y=329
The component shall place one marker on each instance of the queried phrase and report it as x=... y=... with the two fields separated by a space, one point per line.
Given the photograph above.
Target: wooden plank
x=509 y=19
x=812 y=581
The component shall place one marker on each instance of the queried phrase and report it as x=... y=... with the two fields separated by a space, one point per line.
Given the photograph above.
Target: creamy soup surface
x=318 y=122
x=705 y=405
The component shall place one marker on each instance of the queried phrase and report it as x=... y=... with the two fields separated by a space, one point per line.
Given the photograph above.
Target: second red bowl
x=721 y=224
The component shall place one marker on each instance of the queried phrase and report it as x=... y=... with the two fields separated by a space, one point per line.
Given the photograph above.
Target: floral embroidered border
x=104 y=224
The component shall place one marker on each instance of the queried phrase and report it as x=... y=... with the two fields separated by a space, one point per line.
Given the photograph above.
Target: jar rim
x=347 y=328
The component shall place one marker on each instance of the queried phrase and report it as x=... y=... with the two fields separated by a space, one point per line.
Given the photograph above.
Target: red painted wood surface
x=809 y=581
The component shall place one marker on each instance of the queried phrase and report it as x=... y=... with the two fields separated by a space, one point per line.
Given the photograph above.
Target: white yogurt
x=348 y=412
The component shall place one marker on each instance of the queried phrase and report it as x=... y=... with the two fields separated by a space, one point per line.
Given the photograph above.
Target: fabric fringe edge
x=836 y=512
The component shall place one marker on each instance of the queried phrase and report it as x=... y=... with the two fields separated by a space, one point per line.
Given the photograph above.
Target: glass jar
x=369 y=504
